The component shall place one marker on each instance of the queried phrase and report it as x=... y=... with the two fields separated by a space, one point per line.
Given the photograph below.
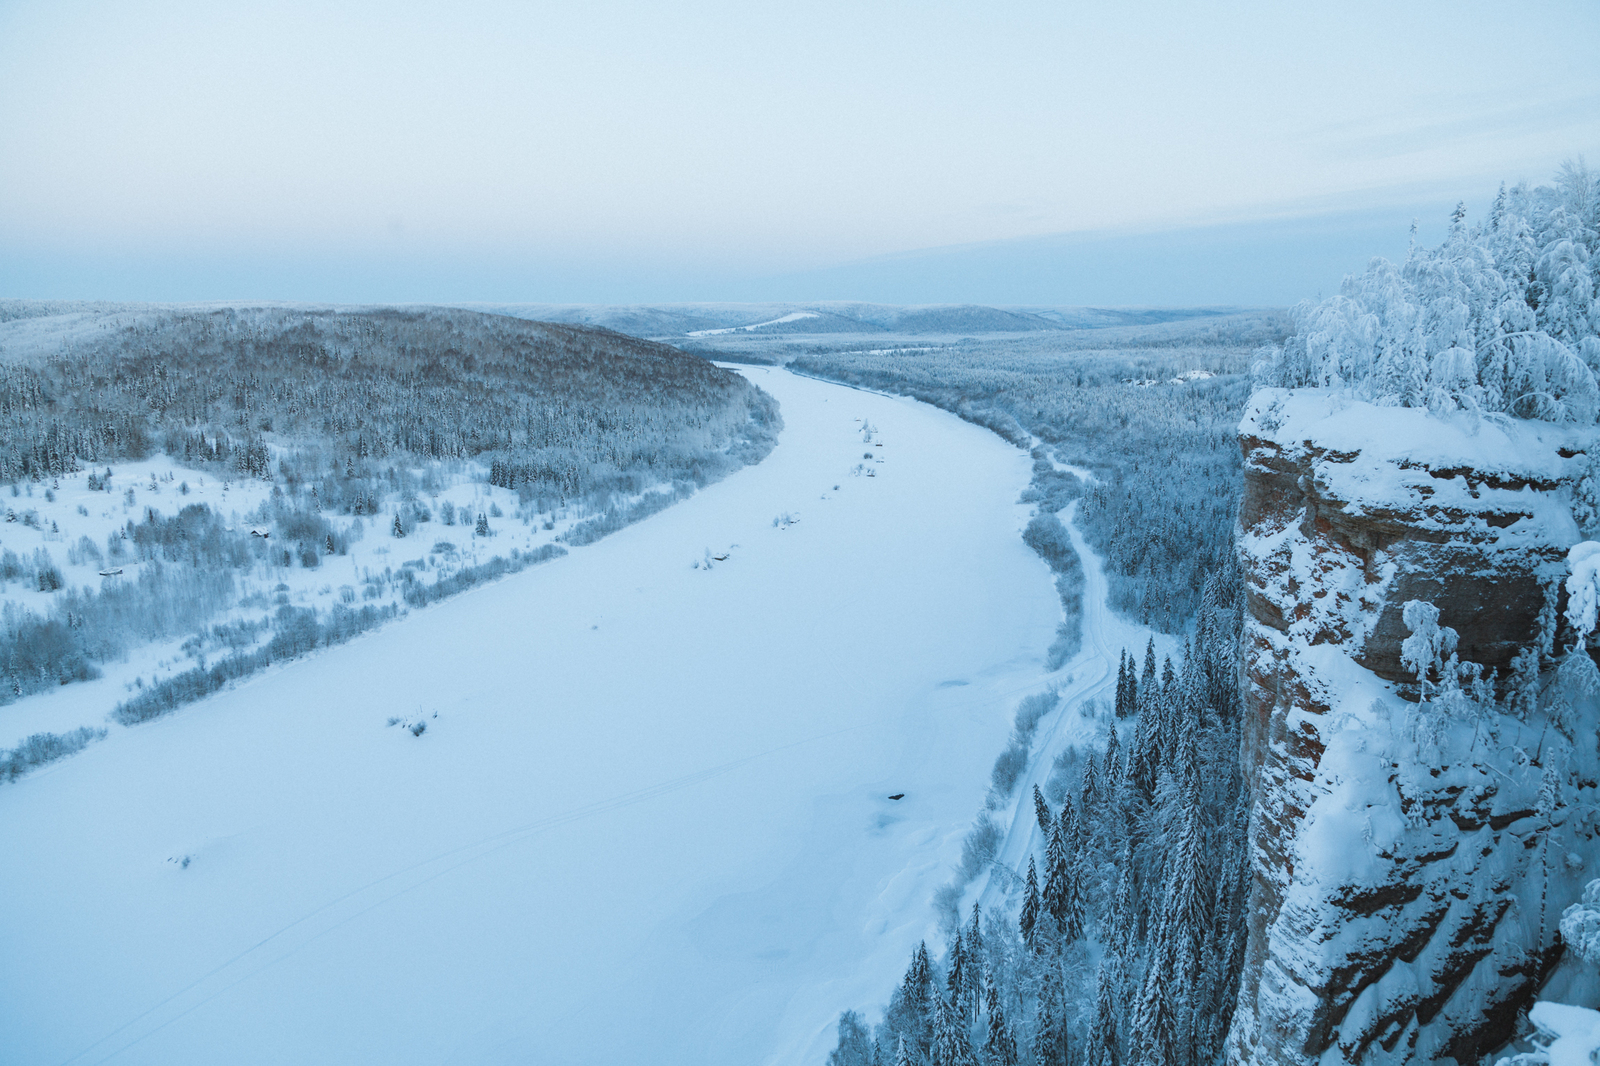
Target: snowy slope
x=649 y=822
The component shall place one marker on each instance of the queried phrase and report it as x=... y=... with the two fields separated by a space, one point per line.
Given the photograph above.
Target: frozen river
x=648 y=821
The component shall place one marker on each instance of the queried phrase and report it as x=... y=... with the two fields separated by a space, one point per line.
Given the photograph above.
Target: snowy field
x=647 y=821
x=75 y=526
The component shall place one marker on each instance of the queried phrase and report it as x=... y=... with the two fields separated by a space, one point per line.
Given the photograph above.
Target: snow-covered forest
x=1127 y=937
x=1149 y=411
x=1500 y=319
x=1123 y=937
x=236 y=486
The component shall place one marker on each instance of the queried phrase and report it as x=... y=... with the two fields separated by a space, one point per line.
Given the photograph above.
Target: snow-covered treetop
x=1502 y=317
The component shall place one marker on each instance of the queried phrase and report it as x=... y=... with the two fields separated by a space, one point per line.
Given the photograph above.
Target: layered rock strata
x=1410 y=859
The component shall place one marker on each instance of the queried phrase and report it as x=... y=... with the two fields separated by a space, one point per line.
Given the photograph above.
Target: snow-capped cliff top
x=1384 y=459
x=1332 y=420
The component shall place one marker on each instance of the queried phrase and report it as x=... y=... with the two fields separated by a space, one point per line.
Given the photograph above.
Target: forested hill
x=256 y=482
x=571 y=411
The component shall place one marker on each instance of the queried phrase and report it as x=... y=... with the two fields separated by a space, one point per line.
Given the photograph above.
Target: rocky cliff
x=1411 y=859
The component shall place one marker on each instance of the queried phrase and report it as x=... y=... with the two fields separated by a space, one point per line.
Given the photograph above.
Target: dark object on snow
x=262 y=533
x=113 y=572
x=419 y=728
x=898 y=796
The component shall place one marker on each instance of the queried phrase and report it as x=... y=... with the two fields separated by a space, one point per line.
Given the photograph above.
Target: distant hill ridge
x=666 y=321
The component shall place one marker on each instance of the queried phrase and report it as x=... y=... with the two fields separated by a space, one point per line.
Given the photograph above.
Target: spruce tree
x=951 y=1044
x=1122 y=701
x=972 y=990
x=1124 y=915
x=1041 y=811
x=1028 y=919
x=1103 y=1048
x=1113 y=760
x=1148 y=691
x=910 y=1008
x=1144 y=754
x=1049 y=1026
x=1055 y=875
x=1089 y=790
x=902 y=1056
x=955 y=979
x=1154 y=1025
x=1068 y=911
x=1133 y=690
x=1000 y=1047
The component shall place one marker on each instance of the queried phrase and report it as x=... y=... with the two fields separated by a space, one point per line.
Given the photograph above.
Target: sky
x=611 y=151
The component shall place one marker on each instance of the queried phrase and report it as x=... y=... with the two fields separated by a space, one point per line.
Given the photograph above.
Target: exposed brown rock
x=1413 y=959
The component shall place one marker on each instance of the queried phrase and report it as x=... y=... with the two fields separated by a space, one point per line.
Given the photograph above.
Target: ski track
x=494 y=890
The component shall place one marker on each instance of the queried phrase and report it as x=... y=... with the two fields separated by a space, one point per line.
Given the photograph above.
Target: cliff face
x=1410 y=860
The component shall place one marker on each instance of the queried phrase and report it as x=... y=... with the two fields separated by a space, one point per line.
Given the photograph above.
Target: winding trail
x=1089 y=677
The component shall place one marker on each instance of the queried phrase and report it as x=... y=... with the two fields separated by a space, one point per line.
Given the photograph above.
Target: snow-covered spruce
x=1128 y=947
x=1501 y=319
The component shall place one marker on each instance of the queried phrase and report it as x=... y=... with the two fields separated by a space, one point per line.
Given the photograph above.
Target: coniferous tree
x=1056 y=874
x=1068 y=911
x=1041 y=811
x=1103 y=1049
x=972 y=988
x=1113 y=760
x=1089 y=790
x=910 y=1013
x=1028 y=918
x=1049 y=1026
x=902 y=1054
x=1124 y=912
x=1149 y=693
x=955 y=979
x=1133 y=690
x=952 y=1046
x=1154 y=1024
x=1000 y=1047
x=1123 y=703
x=1144 y=754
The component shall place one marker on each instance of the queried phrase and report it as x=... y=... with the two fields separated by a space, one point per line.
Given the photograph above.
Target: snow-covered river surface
x=649 y=818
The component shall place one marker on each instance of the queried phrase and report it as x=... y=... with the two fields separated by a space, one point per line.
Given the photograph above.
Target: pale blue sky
x=1130 y=153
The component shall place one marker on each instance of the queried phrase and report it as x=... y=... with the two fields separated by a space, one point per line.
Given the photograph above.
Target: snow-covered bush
x=979 y=846
x=1008 y=766
x=1580 y=925
x=40 y=749
x=1565 y=1036
x=1500 y=319
x=1429 y=644
x=1583 y=586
